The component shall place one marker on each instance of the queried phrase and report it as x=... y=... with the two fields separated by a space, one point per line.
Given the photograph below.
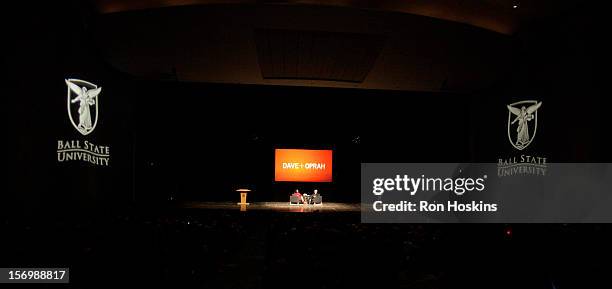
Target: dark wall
x=561 y=60
x=45 y=44
x=201 y=141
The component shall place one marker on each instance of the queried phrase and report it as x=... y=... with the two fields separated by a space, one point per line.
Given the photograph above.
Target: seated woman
x=307 y=198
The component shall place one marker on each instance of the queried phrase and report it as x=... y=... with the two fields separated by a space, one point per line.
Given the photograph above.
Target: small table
x=243 y=196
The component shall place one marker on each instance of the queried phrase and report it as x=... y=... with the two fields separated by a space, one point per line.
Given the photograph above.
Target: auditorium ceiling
x=420 y=45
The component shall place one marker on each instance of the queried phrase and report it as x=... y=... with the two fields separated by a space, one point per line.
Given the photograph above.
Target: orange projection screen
x=300 y=165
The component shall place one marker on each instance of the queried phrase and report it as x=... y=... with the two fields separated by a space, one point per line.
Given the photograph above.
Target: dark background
x=200 y=141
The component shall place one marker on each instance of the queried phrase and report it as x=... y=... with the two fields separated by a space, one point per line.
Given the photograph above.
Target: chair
x=294 y=200
x=317 y=199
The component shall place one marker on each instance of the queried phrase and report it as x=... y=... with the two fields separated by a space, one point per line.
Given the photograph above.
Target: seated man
x=316 y=198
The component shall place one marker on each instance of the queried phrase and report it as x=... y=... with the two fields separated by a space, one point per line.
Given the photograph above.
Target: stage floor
x=274 y=206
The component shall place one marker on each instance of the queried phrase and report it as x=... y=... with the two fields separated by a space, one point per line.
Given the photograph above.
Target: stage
x=273 y=206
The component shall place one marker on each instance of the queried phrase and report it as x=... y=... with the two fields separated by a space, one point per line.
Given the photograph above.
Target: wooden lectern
x=243 y=196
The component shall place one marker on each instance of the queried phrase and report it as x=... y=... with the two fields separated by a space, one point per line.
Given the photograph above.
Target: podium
x=243 y=196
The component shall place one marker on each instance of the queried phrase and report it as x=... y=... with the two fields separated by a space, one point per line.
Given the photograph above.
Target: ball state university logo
x=82 y=100
x=522 y=115
x=522 y=127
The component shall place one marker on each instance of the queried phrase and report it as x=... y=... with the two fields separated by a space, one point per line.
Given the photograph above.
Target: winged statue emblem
x=86 y=95
x=523 y=112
